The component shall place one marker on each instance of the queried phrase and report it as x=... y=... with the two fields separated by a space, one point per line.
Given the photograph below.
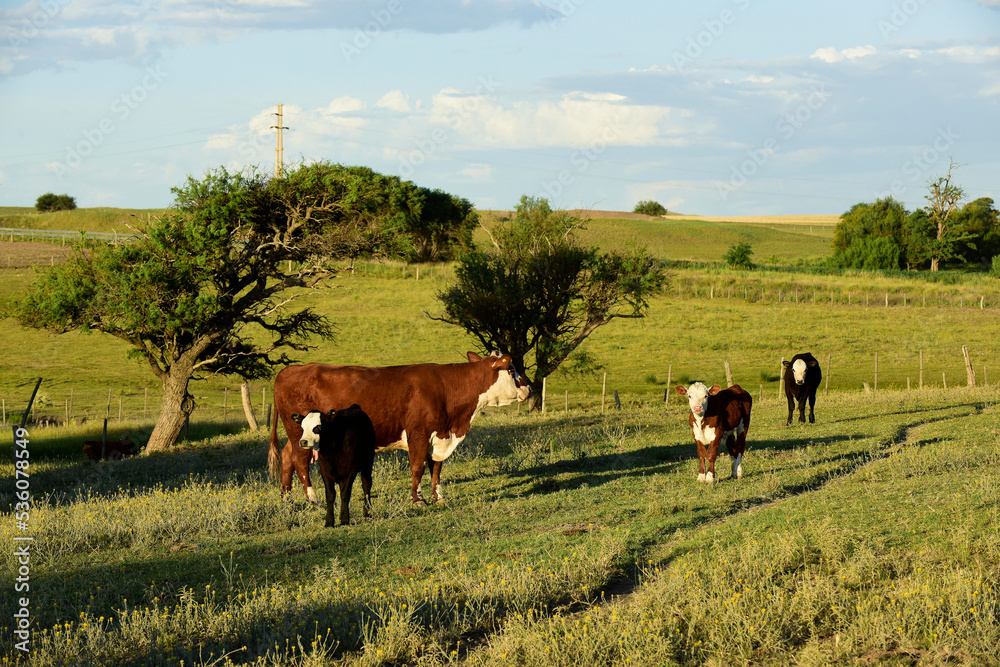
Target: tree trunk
x=178 y=405
x=934 y=263
x=535 y=397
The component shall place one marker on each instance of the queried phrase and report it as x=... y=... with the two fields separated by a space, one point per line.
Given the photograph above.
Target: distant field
x=690 y=238
x=99 y=219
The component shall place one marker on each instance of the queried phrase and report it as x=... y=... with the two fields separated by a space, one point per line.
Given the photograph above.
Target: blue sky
x=727 y=107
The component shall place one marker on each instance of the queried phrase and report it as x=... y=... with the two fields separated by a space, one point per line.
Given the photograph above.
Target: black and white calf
x=344 y=442
x=718 y=415
x=802 y=378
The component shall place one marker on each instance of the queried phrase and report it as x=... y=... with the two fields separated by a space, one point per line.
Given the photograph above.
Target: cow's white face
x=697 y=395
x=509 y=385
x=503 y=392
x=311 y=425
x=799 y=371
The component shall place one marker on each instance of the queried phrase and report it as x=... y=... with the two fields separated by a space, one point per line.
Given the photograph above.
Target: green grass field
x=98 y=219
x=568 y=538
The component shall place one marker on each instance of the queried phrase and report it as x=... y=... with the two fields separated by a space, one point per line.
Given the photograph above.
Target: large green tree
x=853 y=236
x=433 y=222
x=205 y=287
x=537 y=291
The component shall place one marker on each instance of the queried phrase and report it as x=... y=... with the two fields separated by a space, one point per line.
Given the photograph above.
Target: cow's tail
x=273 y=456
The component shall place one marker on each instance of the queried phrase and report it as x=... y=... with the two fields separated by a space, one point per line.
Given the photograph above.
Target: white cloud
x=830 y=54
x=345 y=104
x=577 y=119
x=394 y=100
x=477 y=172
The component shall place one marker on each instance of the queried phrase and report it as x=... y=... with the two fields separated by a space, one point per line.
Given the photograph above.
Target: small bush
x=738 y=256
x=649 y=207
x=54 y=202
x=995 y=270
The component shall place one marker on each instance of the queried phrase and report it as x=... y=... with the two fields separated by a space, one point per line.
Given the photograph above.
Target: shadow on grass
x=59 y=469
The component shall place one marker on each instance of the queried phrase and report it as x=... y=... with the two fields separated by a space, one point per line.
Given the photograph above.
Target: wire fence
x=62 y=236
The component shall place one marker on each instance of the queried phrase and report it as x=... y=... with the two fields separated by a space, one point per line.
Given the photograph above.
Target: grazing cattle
x=344 y=441
x=802 y=378
x=424 y=409
x=718 y=415
x=113 y=449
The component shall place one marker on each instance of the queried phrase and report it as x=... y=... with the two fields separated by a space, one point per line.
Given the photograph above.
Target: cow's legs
x=736 y=451
x=802 y=410
x=812 y=405
x=436 y=493
x=713 y=453
x=366 y=488
x=791 y=409
x=331 y=498
x=417 y=470
x=345 y=500
x=286 y=469
x=702 y=455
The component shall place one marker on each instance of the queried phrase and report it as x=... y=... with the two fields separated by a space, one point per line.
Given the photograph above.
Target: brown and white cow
x=344 y=443
x=424 y=409
x=718 y=415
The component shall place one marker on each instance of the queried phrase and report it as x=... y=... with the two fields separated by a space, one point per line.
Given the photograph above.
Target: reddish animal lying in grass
x=718 y=415
x=344 y=442
x=113 y=449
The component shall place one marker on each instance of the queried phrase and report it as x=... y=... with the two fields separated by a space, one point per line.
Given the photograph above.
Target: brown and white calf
x=718 y=415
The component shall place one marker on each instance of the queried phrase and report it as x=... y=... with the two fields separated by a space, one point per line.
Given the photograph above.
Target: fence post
x=618 y=403
x=828 y=356
x=781 y=377
x=247 y=406
x=944 y=380
x=970 y=375
x=670 y=372
x=604 y=390
x=921 y=368
x=544 y=380
x=107 y=413
x=876 y=372
x=225 y=403
x=263 y=402
x=729 y=375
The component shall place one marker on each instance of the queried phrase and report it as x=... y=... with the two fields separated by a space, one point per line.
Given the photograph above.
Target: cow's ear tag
x=502 y=362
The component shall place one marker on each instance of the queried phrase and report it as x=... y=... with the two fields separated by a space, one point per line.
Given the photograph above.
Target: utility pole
x=279 y=165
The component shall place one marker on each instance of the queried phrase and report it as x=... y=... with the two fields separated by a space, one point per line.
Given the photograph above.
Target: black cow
x=344 y=442
x=802 y=377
